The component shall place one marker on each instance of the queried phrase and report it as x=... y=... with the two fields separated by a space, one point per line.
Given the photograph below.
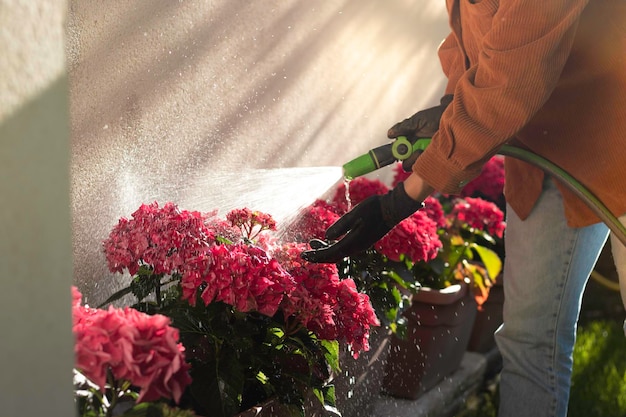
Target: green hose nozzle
x=398 y=150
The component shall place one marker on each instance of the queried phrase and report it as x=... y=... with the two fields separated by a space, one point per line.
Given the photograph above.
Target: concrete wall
x=35 y=231
x=216 y=104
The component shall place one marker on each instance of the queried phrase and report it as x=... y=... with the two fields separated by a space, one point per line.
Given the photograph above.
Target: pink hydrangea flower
x=312 y=222
x=415 y=238
x=251 y=222
x=358 y=190
x=355 y=316
x=434 y=210
x=490 y=183
x=240 y=275
x=162 y=237
x=133 y=346
x=480 y=214
x=399 y=174
x=329 y=307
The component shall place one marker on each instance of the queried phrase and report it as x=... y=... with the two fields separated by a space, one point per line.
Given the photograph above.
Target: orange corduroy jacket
x=548 y=74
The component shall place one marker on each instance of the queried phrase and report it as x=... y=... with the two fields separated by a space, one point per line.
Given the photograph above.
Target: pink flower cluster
x=250 y=222
x=132 y=346
x=480 y=214
x=240 y=275
x=414 y=238
x=314 y=220
x=399 y=174
x=358 y=190
x=490 y=183
x=434 y=210
x=328 y=306
x=164 y=238
x=217 y=260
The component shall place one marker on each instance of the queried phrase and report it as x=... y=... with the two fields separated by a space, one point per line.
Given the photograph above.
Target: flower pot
x=488 y=319
x=361 y=379
x=439 y=327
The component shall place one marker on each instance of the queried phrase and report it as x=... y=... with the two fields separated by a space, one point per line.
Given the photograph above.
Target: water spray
x=401 y=149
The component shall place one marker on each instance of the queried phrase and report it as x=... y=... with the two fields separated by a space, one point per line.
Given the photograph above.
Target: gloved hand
x=363 y=226
x=423 y=124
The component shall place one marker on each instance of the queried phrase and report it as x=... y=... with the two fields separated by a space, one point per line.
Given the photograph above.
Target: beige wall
x=35 y=231
x=215 y=104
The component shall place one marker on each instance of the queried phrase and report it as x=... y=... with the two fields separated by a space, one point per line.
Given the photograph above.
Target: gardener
x=550 y=76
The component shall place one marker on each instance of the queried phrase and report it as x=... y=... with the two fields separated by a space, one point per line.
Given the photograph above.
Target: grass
x=599 y=377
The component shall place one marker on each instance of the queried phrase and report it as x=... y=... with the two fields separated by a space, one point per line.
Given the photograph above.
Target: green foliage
x=599 y=376
x=388 y=284
x=237 y=359
x=156 y=410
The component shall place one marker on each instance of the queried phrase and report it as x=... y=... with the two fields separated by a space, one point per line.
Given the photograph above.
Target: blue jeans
x=546 y=269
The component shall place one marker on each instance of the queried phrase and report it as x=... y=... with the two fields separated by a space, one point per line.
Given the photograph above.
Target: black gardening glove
x=423 y=124
x=363 y=226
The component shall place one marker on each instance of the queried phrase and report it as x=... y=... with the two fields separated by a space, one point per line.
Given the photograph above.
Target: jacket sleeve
x=519 y=63
x=452 y=59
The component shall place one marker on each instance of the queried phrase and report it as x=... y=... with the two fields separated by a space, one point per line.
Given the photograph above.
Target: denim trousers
x=546 y=270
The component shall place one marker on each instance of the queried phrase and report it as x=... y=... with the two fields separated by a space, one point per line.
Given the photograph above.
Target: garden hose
x=401 y=149
x=604 y=281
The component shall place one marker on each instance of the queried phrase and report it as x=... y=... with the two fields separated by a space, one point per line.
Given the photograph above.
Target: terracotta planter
x=488 y=319
x=361 y=379
x=439 y=328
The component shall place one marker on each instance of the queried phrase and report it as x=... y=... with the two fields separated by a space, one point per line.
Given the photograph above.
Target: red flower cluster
x=329 y=307
x=480 y=214
x=132 y=346
x=358 y=190
x=356 y=316
x=240 y=275
x=414 y=238
x=399 y=174
x=164 y=238
x=490 y=183
x=217 y=260
x=250 y=222
x=434 y=210
x=313 y=221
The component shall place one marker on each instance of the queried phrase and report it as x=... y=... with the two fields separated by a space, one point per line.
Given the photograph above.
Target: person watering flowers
x=549 y=76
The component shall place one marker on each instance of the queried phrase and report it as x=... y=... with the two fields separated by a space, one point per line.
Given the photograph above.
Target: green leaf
x=332 y=354
x=490 y=259
x=156 y=410
x=116 y=296
x=142 y=285
x=330 y=401
x=215 y=395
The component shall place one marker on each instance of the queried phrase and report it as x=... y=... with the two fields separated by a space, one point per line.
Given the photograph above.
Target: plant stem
x=157 y=293
x=114 y=393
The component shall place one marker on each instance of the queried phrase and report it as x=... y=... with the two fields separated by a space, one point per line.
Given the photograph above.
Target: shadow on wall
x=35 y=252
x=201 y=101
